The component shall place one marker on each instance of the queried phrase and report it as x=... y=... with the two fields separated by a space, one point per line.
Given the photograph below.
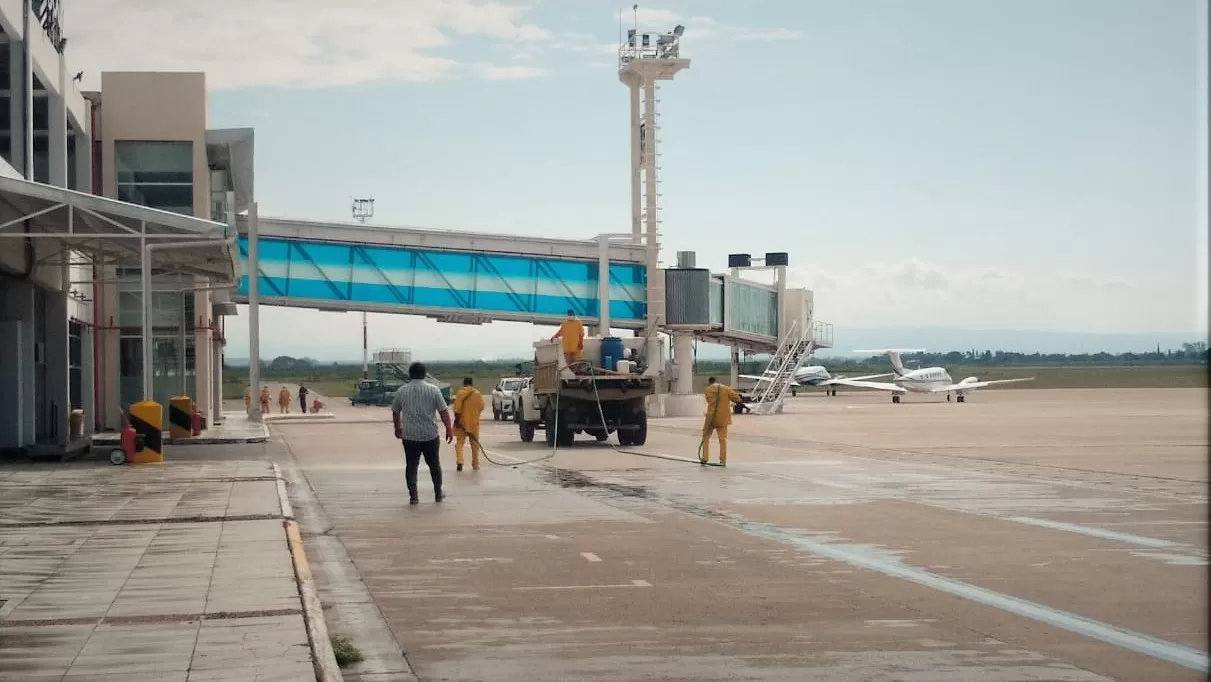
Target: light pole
x=363 y=210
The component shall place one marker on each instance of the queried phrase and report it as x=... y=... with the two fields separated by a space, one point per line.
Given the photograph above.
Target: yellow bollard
x=180 y=417
x=147 y=418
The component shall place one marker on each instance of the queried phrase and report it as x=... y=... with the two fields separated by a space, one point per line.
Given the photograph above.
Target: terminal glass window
x=155 y=174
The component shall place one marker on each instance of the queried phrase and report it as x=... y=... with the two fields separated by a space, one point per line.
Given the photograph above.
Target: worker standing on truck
x=468 y=406
x=412 y=412
x=718 y=418
x=571 y=333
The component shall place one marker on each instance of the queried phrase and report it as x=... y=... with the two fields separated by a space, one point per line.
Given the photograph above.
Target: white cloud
x=912 y=292
x=301 y=43
x=502 y=73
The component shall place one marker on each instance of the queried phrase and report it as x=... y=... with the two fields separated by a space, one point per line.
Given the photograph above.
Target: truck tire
x=639 y=436
x=526 y=430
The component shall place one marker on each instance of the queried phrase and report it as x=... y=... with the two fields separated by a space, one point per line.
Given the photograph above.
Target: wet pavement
x=179 y=571
x=1027 y=535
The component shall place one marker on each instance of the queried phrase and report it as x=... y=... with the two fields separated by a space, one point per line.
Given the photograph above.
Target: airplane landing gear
x=960 y=398
x=947 y=397
x=895 y=399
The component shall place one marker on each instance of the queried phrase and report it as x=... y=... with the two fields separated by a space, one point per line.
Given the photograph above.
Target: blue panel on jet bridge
x=390 y=278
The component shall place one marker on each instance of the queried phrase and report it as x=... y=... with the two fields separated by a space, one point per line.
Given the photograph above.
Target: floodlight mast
x=363 y=210
x=643 y=59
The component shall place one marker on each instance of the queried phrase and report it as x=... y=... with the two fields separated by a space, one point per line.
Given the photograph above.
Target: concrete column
x=111 y=345
x=87 y=401
x=29 y=405
x=203 y=383
x=636 y=169
x=734 y=361
x=84 y=162
x=683 y=353
x=58 y=354
x=57 y=129
x=216 y=390
x=16 y=104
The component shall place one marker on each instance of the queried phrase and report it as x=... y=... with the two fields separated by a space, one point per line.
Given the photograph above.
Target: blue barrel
x=611 y=352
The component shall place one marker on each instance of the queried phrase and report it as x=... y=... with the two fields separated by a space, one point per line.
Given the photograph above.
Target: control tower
x=644 y=59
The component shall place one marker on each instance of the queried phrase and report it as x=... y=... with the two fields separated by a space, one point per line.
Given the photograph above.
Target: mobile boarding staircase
x=769 y=393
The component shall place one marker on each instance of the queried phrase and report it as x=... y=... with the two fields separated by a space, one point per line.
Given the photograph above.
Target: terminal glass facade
x=172 y=321
x=155 y=174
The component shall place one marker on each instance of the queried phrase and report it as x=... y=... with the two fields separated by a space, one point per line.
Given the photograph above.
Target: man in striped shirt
x=412 y=411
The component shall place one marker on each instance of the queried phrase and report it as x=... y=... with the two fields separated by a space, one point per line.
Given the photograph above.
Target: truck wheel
x=639 y=436
x=601 y=436
x=526 y=429
x=566 y=436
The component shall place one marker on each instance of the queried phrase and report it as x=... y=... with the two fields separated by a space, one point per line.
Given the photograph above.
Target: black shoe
x=439 y=496
x=458 y=468
x=414 y=500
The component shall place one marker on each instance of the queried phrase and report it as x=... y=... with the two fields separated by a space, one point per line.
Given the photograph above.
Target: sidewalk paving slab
x=176 y=571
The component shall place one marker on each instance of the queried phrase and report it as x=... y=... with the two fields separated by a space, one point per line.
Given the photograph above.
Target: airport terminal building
x=97 y=190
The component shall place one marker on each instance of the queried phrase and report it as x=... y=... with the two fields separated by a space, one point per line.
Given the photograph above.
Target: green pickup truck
x=381 y=393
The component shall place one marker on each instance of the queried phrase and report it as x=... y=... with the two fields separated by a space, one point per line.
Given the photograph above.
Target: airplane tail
x=893 y=356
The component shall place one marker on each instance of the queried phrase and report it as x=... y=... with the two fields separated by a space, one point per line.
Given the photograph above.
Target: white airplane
x=816 y=375
x=924 y=380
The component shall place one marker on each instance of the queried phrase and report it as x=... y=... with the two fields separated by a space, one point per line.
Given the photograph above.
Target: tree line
x=1195 y=353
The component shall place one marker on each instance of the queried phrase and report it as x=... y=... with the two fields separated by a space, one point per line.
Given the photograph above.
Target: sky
x=1024 y=164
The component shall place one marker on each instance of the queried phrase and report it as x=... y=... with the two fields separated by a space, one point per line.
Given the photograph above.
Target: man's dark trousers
x=302 y=402
x=413 y=451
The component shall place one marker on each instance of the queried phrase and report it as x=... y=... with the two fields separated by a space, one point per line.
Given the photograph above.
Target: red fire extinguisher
x=195 y=421
x=128 y=439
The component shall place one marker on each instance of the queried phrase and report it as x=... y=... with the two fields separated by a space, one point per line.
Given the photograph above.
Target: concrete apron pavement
x=792 y=564
x=173 y=572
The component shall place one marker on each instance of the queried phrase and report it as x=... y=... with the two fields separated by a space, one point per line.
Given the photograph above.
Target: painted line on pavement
x=1096 y=532
x=591 y=557
x=864 y=557
x=633 y=583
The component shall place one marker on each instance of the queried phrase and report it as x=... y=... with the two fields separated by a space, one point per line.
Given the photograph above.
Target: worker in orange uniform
x=247 y=398
x=468 y=406
x=718 y=418
x=571 y=333
x=284 y=400
x=264 y=400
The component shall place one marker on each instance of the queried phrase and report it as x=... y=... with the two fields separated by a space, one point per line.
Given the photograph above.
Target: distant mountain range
x=934 y=339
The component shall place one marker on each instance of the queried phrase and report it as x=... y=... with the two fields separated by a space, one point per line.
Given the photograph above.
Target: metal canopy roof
x=110 y=231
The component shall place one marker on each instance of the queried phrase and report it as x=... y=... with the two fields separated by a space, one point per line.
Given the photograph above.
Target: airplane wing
x=831 y=382
x=977 y=384
x=877 y=385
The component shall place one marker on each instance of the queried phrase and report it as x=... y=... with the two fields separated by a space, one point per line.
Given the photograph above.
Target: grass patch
x=346 y=653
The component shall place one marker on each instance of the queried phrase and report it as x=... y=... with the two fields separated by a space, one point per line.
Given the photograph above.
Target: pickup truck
x=504 y=398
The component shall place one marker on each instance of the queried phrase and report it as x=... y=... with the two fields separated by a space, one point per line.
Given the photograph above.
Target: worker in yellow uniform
x=284 y=400
x=718 y=418
x=468 y=406
x=571 y=333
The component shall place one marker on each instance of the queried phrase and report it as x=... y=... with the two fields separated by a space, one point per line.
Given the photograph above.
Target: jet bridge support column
x=684 y=402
